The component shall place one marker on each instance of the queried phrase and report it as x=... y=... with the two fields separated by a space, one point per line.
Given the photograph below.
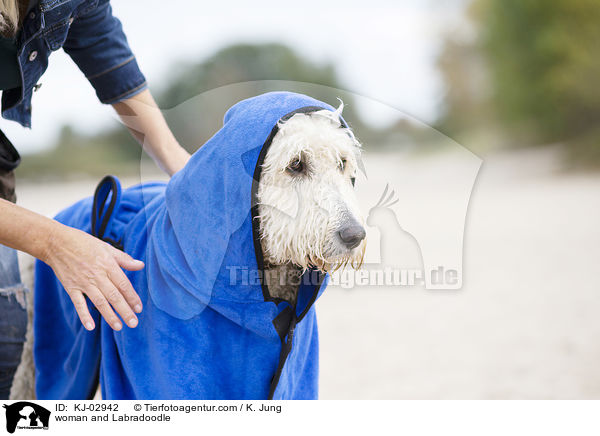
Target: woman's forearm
x=147 y=124
x=25 y=230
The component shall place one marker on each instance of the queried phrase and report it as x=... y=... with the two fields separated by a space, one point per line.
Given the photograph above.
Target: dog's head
x=307 y=206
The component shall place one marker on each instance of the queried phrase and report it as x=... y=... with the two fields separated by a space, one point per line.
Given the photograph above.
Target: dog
x=237 y=247
x=309 y=215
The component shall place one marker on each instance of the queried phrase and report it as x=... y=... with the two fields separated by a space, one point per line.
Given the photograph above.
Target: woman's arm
x=147 y=124
x=84 y=265
x=97 y=44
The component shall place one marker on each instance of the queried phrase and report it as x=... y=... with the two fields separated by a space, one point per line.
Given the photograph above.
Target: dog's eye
x=296 y=167
x=342 y=165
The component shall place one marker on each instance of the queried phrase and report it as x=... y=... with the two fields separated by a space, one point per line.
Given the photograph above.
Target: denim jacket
x=91 y=36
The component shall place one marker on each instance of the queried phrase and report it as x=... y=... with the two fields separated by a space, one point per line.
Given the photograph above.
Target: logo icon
x=26 y=415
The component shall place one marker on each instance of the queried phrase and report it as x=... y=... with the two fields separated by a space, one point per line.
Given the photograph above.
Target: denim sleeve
x=98 y=45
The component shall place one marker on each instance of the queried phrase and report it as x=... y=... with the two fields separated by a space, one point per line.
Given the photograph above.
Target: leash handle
x=102 y=214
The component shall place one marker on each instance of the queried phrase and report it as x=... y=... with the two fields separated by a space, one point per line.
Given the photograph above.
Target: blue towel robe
x=201 y=334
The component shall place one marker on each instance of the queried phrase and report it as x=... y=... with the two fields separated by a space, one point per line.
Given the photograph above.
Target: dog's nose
x=352 y=235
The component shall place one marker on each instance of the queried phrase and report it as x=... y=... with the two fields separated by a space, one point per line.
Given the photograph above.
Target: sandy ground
x=526 y=323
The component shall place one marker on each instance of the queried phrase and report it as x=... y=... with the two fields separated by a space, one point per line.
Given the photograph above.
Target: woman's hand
x=88 y=266
x=83 y=264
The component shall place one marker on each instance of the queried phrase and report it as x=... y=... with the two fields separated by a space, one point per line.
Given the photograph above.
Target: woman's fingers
x=118 y=303
x=82 y=309
x=122 y=283
x=127 y=262
x=103 y=306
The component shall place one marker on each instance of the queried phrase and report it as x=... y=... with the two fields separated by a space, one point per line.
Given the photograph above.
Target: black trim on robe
x=285 y=322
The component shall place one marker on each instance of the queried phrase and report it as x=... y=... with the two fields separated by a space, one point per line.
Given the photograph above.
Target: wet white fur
x=300 y=214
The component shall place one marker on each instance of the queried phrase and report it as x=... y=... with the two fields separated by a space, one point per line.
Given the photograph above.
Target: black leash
x=109 y=186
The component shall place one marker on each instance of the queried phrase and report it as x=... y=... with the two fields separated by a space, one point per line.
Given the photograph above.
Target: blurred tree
x=467 y=112
x=544 y=61
x=204 y=91
x=75 y=154
x=196 y=97
x=466 y=94
x=541 y=60
x=244 y=63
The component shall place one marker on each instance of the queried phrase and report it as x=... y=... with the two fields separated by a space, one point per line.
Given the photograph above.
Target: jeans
x=13 y=318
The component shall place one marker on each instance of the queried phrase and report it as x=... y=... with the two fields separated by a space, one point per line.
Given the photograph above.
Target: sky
x=383 y=50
